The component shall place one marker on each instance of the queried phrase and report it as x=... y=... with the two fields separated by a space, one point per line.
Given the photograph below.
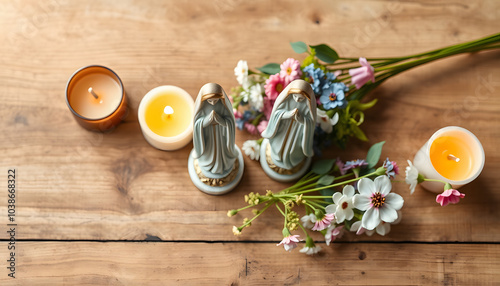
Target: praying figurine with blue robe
x=216 y=159
x=288 y=146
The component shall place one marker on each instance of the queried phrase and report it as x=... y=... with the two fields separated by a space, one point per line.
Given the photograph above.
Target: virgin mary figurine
x=215 y=163
x=288 y=145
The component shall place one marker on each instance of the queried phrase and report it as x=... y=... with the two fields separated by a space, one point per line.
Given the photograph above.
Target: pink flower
x=289 y=242
x=274 y=85
x=450 y=196
x=363 y=74
x=290 y=70
x=333 y=232
x=268 y=107
x=323 y=223
x=252 y=129
x=237 y=114
x=262 y=126
x=340 y=165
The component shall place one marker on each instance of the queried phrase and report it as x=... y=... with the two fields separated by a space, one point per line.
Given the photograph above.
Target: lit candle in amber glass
x=96 y=97
x=452 y=154
x=166 y=117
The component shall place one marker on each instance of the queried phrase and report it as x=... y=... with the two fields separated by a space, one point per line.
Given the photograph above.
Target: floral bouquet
x=367 y=207
x=339 y=83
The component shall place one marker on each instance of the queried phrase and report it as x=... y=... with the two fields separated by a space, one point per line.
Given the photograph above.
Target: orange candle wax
x=451 y=157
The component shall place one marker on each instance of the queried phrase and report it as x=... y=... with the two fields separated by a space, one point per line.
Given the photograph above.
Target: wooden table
x=108 y=208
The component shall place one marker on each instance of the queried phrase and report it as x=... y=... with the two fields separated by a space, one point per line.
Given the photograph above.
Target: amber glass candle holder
x=96 y=97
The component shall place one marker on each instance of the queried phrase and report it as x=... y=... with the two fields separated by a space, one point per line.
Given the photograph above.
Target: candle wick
x=91 y=91
x=453 y=158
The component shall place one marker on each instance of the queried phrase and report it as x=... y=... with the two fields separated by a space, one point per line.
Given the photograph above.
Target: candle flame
x=168 y=110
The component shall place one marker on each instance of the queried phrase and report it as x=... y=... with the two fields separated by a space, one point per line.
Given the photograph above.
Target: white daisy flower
x=342 y=204
x=256 y=99
x=241 y=72
x=376 y=199
x=252 y=149
x=382 y=229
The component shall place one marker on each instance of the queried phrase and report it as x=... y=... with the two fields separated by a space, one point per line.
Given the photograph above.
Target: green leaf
x=362 y=106
x=374 y=154
x=271 y=68
x=299 y=47
x=325 y=53
x=322 y=167
x=326 y=180
x=358 y=132
x=327 y=192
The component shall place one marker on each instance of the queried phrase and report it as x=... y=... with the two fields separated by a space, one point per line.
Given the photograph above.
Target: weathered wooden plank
x=118 y=263
x=74 y=184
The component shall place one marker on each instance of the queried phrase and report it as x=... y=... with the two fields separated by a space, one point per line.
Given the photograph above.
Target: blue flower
x=391 y=168
x=328 y=80
x=240 y=122
x=354 y=164
x=316 y=76
x=334 y=96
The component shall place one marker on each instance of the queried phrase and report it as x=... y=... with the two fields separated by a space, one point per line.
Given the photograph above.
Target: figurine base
x=216 y=190
x=285 y=178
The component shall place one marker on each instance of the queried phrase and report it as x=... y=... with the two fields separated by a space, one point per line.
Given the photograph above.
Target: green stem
x=316 y=204
x=257 y=215
x=339 y=184
x=309 y=205
x=314 y=184
x=304 y=230
x=435 y=180
x=446 y=52
x=244 y=208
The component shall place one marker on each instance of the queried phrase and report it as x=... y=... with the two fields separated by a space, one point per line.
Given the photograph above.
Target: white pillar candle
x=452 y=154
x=166 y=117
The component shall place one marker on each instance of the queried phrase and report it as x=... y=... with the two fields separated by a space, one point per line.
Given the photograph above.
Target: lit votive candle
x=166 y=117
x=96 y=97
x=452 y=154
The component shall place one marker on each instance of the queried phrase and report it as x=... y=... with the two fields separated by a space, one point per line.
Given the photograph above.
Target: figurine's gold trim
x=299 y=91
x=216 y=182
x=279 y=170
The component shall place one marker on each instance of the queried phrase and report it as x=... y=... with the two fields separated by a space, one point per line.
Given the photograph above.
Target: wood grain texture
x=74 y=184
x=78 y=185
x=122 y=263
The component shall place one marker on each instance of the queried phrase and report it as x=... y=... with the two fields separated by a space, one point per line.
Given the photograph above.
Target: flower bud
x=231 y=213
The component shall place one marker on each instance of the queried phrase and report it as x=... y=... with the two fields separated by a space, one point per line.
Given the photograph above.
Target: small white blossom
x=310 y=250
x=411 y=176
x=256 y=99
x=325 y=122
x=241 y=72
x=308 y=221
x=252 y=149
x=236 y=231
x=342 y=204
